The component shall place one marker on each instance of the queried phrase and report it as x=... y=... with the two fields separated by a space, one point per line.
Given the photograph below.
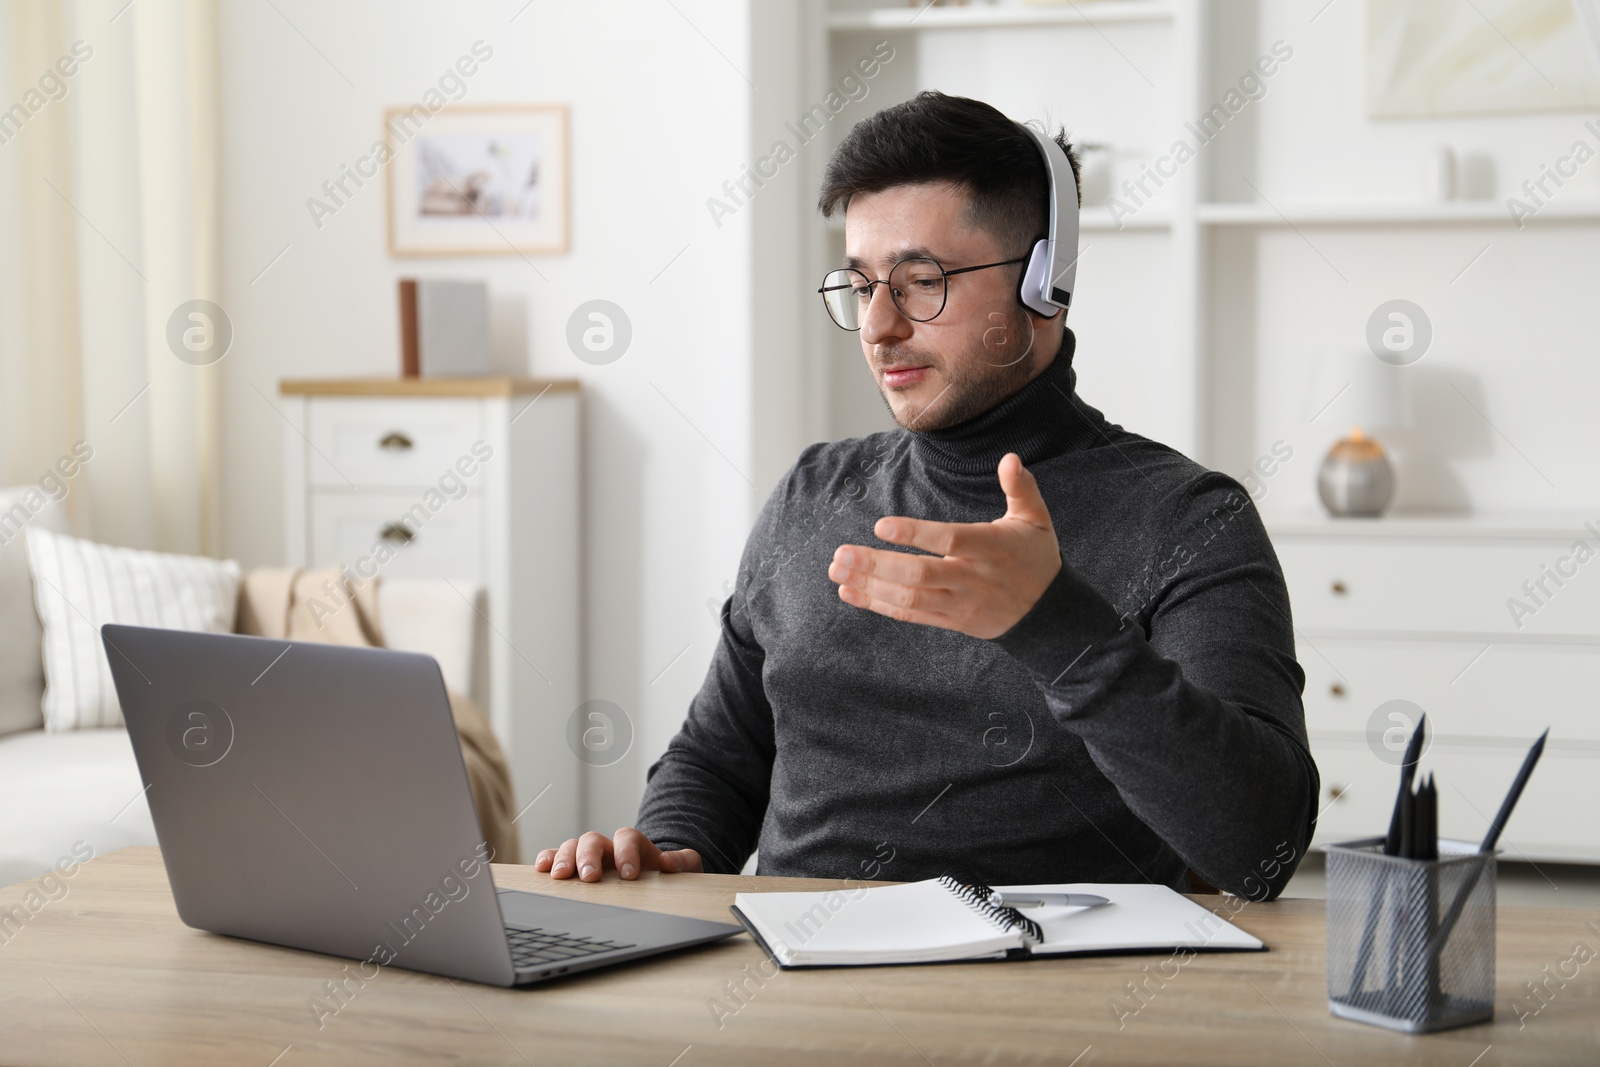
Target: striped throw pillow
x=79 y=586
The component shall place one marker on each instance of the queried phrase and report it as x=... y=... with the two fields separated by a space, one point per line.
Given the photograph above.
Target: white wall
x=660 y=118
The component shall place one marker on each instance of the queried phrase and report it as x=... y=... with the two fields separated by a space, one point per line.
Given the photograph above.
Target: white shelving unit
x=1170 y=320
x=1486 y=212
x=1199 y=318
x=979 y=16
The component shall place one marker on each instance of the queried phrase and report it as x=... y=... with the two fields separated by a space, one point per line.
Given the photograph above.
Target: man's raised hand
x=983 y=577
x=629 y=851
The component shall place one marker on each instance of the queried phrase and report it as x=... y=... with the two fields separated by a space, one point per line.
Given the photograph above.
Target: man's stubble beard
x=977 y=382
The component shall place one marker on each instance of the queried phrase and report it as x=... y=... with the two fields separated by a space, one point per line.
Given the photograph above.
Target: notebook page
x=917 y=922
x=1138 y=917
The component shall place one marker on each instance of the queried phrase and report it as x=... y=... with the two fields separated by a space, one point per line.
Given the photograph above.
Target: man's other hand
x=629 y=851
x=983 y=577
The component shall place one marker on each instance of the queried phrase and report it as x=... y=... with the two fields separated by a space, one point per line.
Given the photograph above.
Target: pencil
x=1489 y=842
x=1497 y=827
x=1408 y=768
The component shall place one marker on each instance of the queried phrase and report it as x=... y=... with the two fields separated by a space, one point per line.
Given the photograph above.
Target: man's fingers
x=854 y=562
x=681 y=860
x=634 y=852
x=853 y=594
x=1024 y=503
x=562 y=864
x=594 y=849
x=900 y=595
x=940 y=538
x=1023 y=500
x=629 y=849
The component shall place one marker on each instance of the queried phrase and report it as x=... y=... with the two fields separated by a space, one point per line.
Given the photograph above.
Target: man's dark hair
x=934 y=137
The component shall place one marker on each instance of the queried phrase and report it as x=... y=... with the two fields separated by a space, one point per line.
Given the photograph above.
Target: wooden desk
x=108 y=975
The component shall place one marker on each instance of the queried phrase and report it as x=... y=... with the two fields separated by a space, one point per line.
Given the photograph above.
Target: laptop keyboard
x=532 y=946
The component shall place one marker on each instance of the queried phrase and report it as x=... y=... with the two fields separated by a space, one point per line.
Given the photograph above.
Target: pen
x=1047 y=900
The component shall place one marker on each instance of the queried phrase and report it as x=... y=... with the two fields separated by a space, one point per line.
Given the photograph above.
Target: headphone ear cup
x=1031 y=287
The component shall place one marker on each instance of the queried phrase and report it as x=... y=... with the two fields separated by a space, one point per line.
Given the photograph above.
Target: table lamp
x=1363 y=395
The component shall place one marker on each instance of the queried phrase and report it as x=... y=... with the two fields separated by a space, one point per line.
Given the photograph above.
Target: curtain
x=108 y=226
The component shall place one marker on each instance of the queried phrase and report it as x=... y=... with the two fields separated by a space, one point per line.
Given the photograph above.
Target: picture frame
x=1437 y=58
x=478 y=181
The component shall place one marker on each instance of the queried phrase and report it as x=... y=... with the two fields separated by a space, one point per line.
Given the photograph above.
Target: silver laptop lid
x=313 y=796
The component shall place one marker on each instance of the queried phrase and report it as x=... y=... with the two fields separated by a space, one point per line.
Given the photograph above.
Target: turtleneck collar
x=1044 y=418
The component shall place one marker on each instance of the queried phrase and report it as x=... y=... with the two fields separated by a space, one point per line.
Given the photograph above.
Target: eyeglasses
x=917 y=286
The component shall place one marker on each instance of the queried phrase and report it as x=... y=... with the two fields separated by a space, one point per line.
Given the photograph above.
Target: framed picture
x=1436 y=58
x=477 y=181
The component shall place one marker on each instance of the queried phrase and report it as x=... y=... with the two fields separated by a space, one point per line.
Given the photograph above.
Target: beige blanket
x=277 y=602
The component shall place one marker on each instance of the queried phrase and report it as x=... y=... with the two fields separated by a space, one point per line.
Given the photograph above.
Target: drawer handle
x=1336 y=793
x=1339 y=588
x=396 y=534
x=1336 y=689
x=395 y=442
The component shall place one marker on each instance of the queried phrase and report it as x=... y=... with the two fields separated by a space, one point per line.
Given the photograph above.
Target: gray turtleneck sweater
x=1142 y=719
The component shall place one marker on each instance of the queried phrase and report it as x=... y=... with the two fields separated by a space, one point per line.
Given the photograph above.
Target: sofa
x=74 y=788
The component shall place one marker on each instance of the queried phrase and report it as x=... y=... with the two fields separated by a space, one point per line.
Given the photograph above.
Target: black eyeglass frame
x=945 y=277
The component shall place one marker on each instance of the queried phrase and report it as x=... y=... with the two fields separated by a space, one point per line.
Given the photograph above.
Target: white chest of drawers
x=474 y=481
x=1489 y=625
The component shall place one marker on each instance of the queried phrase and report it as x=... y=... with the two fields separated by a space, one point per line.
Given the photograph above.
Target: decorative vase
x=1356 y=477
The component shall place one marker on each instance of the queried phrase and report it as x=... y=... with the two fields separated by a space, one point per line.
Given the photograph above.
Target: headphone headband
x=1051 y=275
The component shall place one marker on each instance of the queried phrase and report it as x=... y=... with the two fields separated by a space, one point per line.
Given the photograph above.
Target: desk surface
x=107 y=974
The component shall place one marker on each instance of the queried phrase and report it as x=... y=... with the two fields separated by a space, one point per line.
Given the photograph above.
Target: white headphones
x=1051 y=275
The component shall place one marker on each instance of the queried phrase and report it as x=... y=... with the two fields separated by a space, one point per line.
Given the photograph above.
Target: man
x=1009 y=641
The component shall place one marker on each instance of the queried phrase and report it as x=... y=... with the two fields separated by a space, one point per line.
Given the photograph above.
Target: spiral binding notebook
x=944 y=919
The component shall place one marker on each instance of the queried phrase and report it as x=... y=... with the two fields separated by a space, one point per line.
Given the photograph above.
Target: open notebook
x=943 y=919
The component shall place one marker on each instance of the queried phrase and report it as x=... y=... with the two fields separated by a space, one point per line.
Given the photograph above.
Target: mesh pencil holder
x=1411 y=942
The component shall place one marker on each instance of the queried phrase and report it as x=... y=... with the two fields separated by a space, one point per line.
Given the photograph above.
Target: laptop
x=314 y=796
